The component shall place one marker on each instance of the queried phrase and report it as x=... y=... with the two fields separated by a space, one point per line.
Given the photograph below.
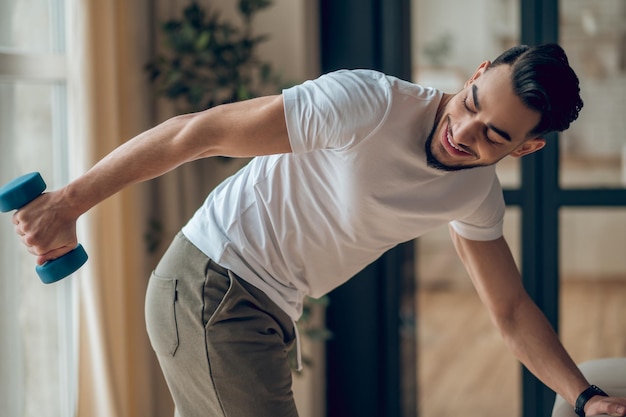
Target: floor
x=465 y=369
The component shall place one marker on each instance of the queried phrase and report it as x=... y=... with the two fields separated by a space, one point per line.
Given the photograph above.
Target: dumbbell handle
x=18 y=193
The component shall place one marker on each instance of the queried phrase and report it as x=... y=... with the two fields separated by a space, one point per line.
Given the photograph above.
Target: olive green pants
x=222 y=344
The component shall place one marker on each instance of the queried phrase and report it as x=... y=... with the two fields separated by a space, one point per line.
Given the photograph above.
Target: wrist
x=69 y=199
x=78 y=197
x=585 y=396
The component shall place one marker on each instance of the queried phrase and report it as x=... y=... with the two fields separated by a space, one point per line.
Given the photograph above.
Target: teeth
x=452 y=143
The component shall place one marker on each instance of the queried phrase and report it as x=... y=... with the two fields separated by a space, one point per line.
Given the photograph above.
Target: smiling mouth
x=449 y=137
x=452 y=147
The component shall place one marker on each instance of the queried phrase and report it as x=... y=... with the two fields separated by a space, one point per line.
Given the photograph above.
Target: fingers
x=54 y=254
x=616 y=409
x=39 y=246
x=44 y=228
x=20 y=226
x=612 y=406
x=44 y=254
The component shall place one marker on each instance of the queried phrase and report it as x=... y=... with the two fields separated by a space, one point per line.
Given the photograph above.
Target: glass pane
x=449 y=47
x=593 y=282
x=459 y=349
x=34 y=327
x=31 y=26
x=462 y=360
x=593 y=149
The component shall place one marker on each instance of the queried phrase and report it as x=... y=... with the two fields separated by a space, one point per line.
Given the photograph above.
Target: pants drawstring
x=298 y=347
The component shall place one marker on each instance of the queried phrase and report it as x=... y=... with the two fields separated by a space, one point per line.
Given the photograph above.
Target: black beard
x=433 y=162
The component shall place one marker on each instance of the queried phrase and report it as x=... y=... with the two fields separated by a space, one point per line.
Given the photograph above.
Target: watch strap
x=585 y=396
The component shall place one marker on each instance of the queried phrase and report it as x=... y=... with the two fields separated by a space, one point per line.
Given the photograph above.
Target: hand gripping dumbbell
x=18 y=193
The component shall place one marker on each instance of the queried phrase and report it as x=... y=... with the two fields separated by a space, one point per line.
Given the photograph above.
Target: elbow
x=507 y=325
x=509 y=317
x=505 y=322
x=193 y=137
x=503 y=318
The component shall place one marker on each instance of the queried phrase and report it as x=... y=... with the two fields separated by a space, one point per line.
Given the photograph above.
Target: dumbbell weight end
x=21 y=191
x=57 y=269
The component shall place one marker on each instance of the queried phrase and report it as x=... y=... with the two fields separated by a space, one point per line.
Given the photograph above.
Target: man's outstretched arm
x=254 y=127
x=523 y=326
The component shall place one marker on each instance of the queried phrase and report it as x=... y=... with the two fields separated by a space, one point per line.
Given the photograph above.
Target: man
x=347 y=166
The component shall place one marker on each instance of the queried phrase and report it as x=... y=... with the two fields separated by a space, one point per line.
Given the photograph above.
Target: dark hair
x=543 y=79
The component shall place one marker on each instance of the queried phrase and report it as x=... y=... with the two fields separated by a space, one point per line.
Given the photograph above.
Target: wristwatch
x=585 y=396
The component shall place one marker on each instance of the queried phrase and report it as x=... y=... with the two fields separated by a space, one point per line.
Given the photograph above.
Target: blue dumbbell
x=18 y=193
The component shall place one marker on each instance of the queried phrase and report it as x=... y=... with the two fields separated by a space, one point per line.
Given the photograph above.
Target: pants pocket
x=160 y=311
x=217 y=289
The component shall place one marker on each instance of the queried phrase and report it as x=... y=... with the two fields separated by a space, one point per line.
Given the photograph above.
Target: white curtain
x=109 y=43
x=108 y=46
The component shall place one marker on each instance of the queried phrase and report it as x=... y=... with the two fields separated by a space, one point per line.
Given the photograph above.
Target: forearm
x=244 y=129
x=523 y=326
x=254 y=127
x=146 y=156
x=534 y=342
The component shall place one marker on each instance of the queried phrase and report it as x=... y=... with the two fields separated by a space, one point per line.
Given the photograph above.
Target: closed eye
x=466 y=106
x=499 y=132
x=487 y=138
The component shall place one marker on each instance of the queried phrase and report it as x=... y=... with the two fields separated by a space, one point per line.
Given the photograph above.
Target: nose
x=467 y=132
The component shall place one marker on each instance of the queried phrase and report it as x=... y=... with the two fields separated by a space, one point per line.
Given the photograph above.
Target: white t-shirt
x=356 y=185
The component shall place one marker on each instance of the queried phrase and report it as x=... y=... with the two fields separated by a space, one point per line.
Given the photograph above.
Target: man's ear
x=479 y=71
x=529 y=146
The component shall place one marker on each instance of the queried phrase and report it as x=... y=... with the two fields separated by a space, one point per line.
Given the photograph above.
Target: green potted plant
x=209 y=60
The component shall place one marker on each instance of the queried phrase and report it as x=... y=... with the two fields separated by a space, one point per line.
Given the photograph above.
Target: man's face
x=482 y=123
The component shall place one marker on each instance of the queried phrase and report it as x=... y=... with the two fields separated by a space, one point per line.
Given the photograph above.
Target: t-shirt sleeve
x=486 y=222
x=336 y=110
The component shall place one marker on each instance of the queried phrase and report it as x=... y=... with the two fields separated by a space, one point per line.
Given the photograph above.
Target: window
x=457 y=344
x=37 y=354
x=593 y=153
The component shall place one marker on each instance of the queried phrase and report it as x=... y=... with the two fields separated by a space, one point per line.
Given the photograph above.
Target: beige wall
x=293 y=47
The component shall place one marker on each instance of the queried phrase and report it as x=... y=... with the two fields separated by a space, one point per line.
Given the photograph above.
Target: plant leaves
x=202 y=41
x=209 y=60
